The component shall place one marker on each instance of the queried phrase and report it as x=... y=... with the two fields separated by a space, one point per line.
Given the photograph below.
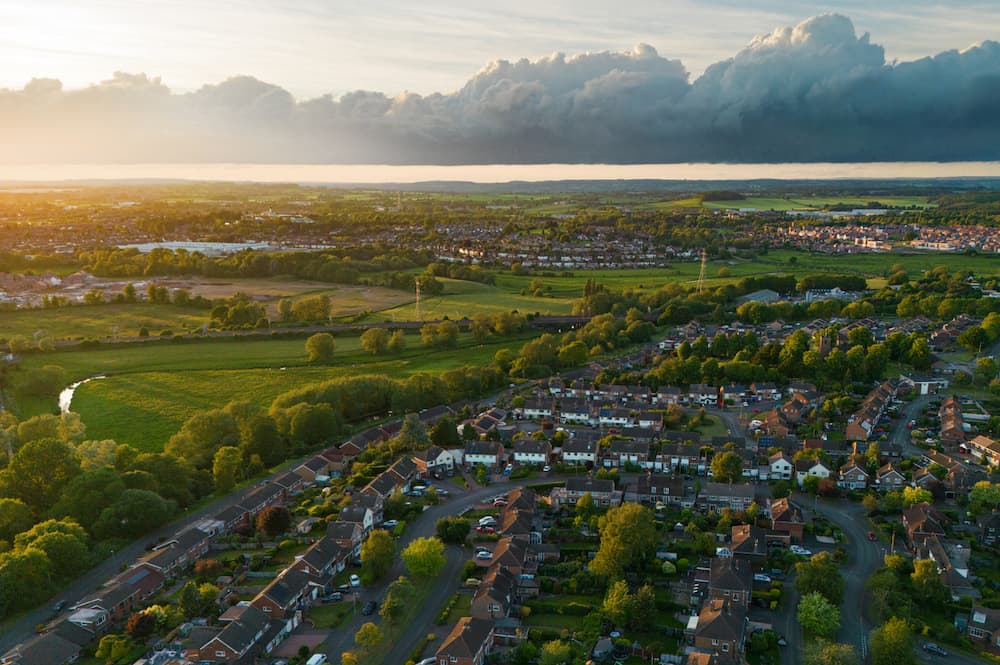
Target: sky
x=315 y=47
x=562 y=81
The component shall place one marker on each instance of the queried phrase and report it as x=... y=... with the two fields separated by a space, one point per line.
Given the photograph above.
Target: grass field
x=785 y=203
x=150 y=391
x=99 y=321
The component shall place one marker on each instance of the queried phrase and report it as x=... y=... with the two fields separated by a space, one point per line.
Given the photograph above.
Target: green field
x=150 y=391
x=99 y=321
x=786 y=203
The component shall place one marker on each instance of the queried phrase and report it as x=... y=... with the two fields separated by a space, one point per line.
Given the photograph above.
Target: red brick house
x=469 y=642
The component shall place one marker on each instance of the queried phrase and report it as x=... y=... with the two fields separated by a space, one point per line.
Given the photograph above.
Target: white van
x=316 y=659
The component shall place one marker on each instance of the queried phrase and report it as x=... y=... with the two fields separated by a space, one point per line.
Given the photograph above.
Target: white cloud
x=813 y=92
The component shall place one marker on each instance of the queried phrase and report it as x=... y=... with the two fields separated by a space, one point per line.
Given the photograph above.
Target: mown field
x=151 y=390
x=786 y=203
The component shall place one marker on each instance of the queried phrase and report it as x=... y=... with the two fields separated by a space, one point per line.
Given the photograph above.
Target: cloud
x=813 y=92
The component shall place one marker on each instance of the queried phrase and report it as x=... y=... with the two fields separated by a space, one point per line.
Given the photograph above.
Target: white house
x=806 y=468
x=575 y=411
x=538 y=408
x=781 y=467
x=613 y=417
x=578 y=450
x=532 y=451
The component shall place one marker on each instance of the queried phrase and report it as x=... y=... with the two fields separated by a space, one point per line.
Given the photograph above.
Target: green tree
x=727 y=467
x=892 y=643
x=821 y=652
x=984 y=496
x=68 y=554
x=225 y=468
x=974 y=338
x=818 y=616
x=136 y=512
x=39 y=471
x=201 y=436
x=397 y=343
x=320 y=347
x=453 y=530
x=15 y=517
x=643 y=608
x=397 y=597
x=140 y=625
x=628 y=539
x=618 y=602
x=375 y=341
x=820 y=574
x=555 y=652
x=378 y=552
x=912 y=495
x=274 y=520
x=927 y=582
x=424 y=557
x=369 y=636
x=191 y=600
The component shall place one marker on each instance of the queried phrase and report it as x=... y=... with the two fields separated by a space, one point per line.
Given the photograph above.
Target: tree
x=25 y=578
x=573 y=354
x=643 y=608
x=375 y=341
x=202 y=435
x=870 y=504
x=892 y=643
x=369 y=636
x=136 y=512
x=285 y=309
x=140 y=625
x=67 y=553
x=984 y=496
x=821 y=652
x=225 y=467
x=820 y=574
x=927 y=582
x=555 y=652
x=818 y=616
x=191 y=601
x=974 y=338
x=396 y=599
x=628 y=539
x=618 y=603
x=397 y=343
x=378 y=552
x=585 y=505
x=453 y=530
x=207 y=569
x=727 y=467
x=320 y=347
x=39 y=470
x=913 y=495
x=481 y=327
x=113 y=648
x=274 y=520
x=424 y=557
x=15 y=517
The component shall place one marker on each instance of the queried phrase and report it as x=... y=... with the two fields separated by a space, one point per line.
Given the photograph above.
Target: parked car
x=930 y=647
x=489 y=520
x=546 y=468
x=872 y=536
x=761 y=577
x=484 y=554
x=801 y=551
x=390 y=524
x=442 y=492
x=368 y=608
x=334 y=597
x=355 y=581
x=472 y=582
x=59 y=607
x=723 y=552
x=485 y=529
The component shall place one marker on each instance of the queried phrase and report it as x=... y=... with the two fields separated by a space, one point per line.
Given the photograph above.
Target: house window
x=736 y=597
x=220 y=654
x=715 y=643
x=975 y=632
x=725 y=647
x=267 y=609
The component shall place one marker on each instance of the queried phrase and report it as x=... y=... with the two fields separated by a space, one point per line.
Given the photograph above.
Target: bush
x=576 y=609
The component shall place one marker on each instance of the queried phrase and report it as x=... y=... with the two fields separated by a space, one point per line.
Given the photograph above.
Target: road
x=341 y=639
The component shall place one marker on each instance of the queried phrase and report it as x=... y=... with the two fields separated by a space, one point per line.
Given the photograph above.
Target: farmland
x=150 y=392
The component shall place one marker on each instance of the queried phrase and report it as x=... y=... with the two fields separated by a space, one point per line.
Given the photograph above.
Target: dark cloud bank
x=815 y=92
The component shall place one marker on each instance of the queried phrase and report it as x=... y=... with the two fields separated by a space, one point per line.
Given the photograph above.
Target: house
x=261 y=497
x=805 y=468
x=786 y=518
x=348 y=535
x=601 y=491
x=537 y=408
x=853 y=477
x=765 y=391
x=721 y=629
x=984 y=629
x=747 y=540
x=116 y=601
x=989 y=528
x=322 y=559
x=781 y=466
x=575 y=411
x=496 y=594
x=312 y=469
x=613 y=417
x=923 y=385
x=730 y=580
x=650 y=420
x=47 y=649
x=677 y=457
x=179 y=552
x=654 y=488
x=433 y=462
x=984 y=449
x=618 y=453
x=291 y=591
x=487 y=453
x=532 y=451
x=952 y=423
x=145 y=579
x=890 y=478
x=405 y=471
x=922 y=519
x=469 y=642
x=234 y=642
x=716 y=496
x=669 y=395
x=702 y=393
